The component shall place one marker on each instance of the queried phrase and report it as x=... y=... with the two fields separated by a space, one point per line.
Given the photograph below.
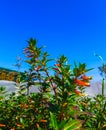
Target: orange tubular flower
x=79 y=93
x=37 y=125
x=58 y=65
x=82 y=83
x=64 y=104
x=83 y=103
x=2 y=125
x=84 y=77
x=23 y=106
x=37 y=68
x=20 y=125
x=43 y=121
x=13 y=129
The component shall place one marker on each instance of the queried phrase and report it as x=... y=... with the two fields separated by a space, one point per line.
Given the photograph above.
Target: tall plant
x=57 y=105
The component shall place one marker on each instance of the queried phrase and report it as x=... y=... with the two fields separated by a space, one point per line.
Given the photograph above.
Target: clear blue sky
x=76 y=28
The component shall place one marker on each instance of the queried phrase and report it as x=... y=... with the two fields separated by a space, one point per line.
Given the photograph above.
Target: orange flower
x=43 y=121
x=37 y=125
x=84 y=77
x=37 y=68
x=2 y=125
x=23 y=106
x=13 y=129
x=79 y=93
x=58 y=65
x=83 y=103
x=82 y=83
x=64 y=104
x=19 y=125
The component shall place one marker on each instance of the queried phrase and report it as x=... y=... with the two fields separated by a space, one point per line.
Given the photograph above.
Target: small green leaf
x=72 y=124
x=53 y=122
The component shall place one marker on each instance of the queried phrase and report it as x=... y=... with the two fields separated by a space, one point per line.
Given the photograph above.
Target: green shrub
x=60 y=103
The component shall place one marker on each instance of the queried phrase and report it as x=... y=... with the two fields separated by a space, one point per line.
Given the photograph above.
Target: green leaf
x=72 y=124
x=22 y=120
x=53 y=122
x=62 y=124
x=89 y=69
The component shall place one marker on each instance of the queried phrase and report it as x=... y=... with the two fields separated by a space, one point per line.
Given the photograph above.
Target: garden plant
x=60 y=103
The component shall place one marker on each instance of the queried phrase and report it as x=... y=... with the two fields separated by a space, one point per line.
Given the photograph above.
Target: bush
x=60 y=103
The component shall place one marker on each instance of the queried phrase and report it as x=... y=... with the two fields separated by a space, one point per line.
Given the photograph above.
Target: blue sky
x=75 y=28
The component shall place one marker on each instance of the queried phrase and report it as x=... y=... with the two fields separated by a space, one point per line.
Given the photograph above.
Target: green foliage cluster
x=60 y=103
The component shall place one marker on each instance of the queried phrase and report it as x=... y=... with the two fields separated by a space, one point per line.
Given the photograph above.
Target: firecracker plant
x=60 y=102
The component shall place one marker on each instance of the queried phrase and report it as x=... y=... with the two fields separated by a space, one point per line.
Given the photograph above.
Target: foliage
x=60 y=103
